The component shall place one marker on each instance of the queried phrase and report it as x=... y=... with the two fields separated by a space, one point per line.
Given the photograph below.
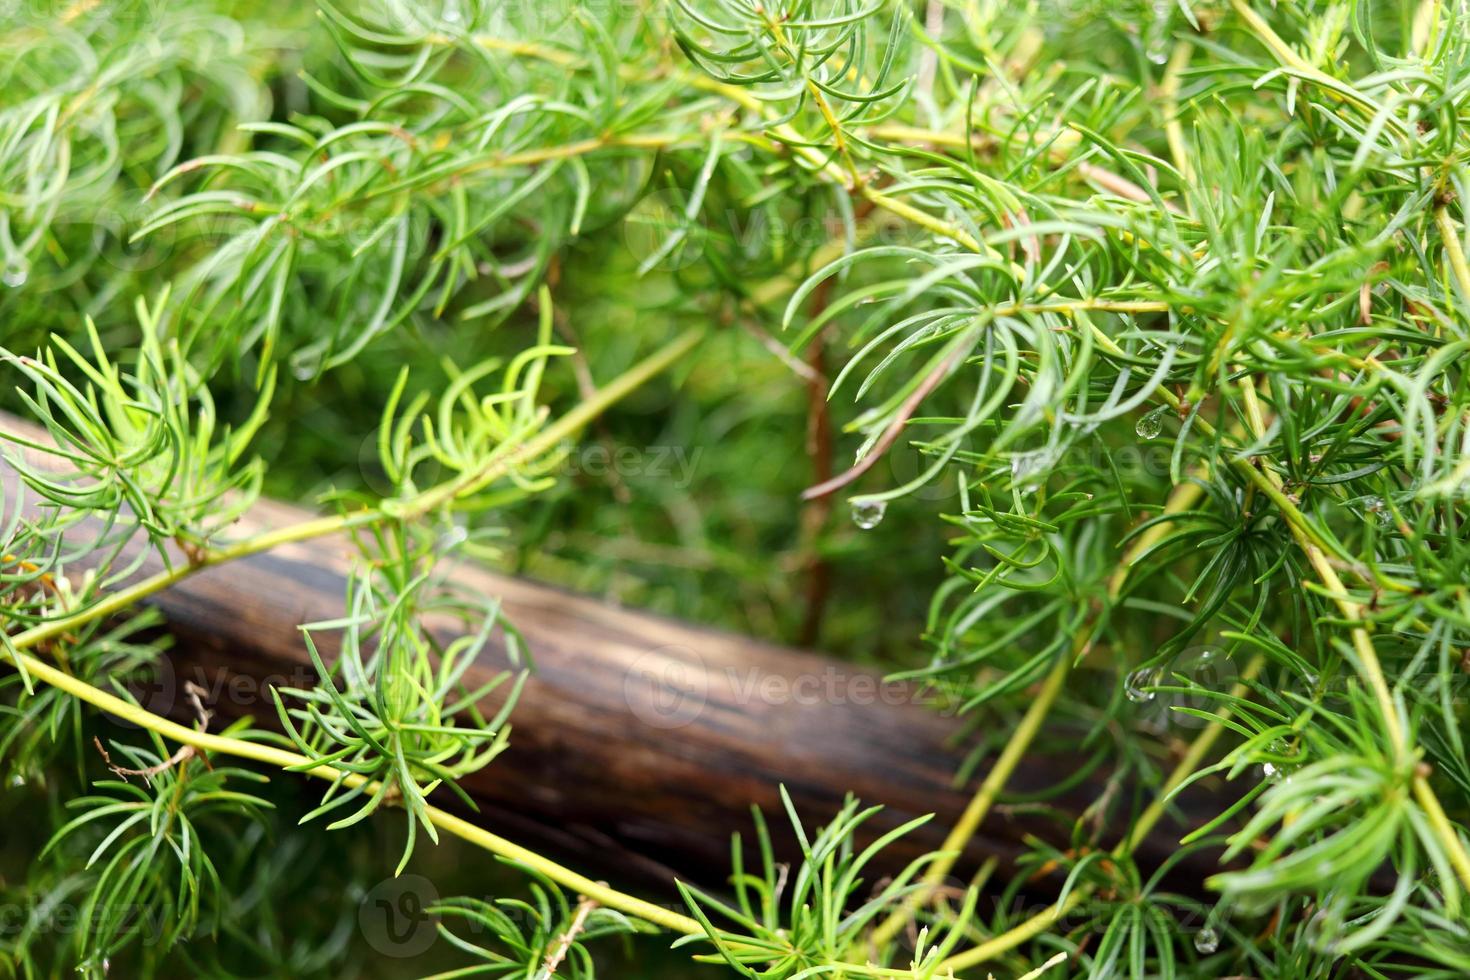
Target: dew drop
x=1150 y=425
x=1156 y=46
x=1207 y=940
x=1379 y=508
x=868 y=514
x=1138 y=683
x=16 y=272
x=16 y=781
x=1269 y=771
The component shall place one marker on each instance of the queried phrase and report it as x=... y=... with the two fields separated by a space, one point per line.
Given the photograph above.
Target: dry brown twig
x=557 y=953
x=184 y=753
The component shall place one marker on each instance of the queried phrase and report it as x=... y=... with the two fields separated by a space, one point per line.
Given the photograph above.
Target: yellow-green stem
x=1169 y=90
x=1182 y=497
x=1186 y=766
x=270 y=755
x=1368 y=663
x=206 y=742
x=1333 y=88
x=116 y=602
x=1443 y=829
x=969 y=821
x=1454 y=249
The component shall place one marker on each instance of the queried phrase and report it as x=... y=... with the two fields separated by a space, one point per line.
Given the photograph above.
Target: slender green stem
x=1443 y=829
x=1169 y=91
x=783 y=133
x=1332 y=87
x=1369 y=665
x=1181 y=498
x=270 y=755
x=120 y=600
x=995 y=781
x=596 y=891
x=1015 y=936
x=1453 y=248
x=206 y=742
x=1186 y=766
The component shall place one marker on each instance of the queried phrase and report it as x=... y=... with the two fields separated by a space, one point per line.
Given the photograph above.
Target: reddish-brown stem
x=815 y=514
x=890 y=435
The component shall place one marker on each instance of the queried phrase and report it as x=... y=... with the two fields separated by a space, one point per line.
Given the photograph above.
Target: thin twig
x=798 y=367
x=557 y=953
x=890 y=434
x=816 y=512
x=182 y=755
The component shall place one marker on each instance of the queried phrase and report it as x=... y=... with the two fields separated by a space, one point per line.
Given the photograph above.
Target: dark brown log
x=637 y=736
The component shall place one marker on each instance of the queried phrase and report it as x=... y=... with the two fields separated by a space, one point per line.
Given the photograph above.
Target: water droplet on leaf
x=1379 y=508
x=1156 y=44
x=1138 y=683
x=15 y=273
x=868 y=514
x=1207 y=940
x=1150 y=425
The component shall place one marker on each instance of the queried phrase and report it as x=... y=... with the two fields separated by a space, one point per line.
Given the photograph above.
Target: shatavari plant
x=1145 y=324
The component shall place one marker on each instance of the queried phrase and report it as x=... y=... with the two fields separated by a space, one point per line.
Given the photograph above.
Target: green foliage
x=142 y=445
x=544 y=936
x=393 y=705
x=151 y=869
x=827 y=912
x=100 y=99
x=41 y=721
